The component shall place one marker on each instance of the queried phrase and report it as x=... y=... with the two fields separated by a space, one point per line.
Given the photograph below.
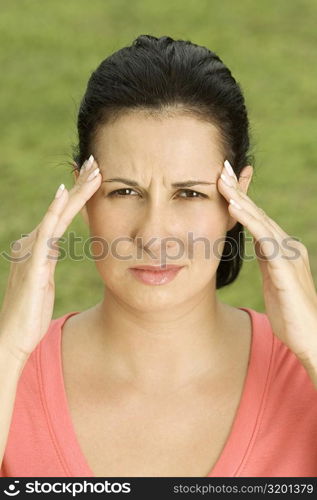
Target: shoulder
x=287 y=374
x=46 y=351
x=285 y=369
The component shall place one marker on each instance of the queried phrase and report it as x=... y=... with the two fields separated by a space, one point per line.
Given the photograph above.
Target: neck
x=161 y=350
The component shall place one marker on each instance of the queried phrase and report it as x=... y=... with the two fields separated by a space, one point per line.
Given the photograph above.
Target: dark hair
x=158 y=74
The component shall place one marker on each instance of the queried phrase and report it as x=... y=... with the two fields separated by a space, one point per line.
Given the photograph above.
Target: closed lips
x=158 y=269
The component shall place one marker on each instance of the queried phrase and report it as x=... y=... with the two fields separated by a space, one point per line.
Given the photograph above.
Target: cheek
x=207 y=234
x=108 y=220
x=208 y=220
x=200 y=226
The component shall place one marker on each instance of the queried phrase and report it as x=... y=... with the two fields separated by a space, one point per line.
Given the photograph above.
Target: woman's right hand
x=28 y=303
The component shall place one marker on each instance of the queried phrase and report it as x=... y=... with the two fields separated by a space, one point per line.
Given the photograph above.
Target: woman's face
x=155 y=223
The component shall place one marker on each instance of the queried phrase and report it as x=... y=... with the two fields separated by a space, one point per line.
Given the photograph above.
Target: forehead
x=138 y=143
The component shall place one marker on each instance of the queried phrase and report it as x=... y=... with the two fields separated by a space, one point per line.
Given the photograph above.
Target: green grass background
x=48 y=50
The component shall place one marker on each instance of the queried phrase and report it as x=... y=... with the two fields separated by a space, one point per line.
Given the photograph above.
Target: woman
x=161 y=378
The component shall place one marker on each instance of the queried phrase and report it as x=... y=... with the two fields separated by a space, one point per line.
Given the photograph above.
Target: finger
x=27 y=240
x=272 y=244
x=265 y=231
x=86 y=185
x=62 y=211
x=45 y=229
x=229 y=183
x=230 y=189
x=286 y=243
x=229 y=175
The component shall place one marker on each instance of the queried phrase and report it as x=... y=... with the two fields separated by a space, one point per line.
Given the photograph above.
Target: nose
x=155 y=236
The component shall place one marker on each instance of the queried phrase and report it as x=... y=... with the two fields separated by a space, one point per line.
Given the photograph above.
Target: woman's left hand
x=289 y=292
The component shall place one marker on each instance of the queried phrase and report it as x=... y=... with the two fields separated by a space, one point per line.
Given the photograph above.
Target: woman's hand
x=29 y=297
x=289 y=292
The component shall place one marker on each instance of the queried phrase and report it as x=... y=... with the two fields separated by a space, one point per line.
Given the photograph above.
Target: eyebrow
x=188 y=183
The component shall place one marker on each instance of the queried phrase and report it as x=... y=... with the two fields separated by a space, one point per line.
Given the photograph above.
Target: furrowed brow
x=188 y=183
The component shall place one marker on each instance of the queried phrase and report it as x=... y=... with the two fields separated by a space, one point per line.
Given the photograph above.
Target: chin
x=150 y=299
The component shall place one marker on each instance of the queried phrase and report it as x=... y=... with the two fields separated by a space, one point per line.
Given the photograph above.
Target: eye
x=115 y=194
x=200 y=195
x=122 y=193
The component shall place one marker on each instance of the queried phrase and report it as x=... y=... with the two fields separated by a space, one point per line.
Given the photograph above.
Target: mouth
x=155 y=275
x=158 y=268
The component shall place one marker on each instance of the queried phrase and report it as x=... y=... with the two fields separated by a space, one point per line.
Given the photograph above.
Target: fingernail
x=60 y=190
x=90 y=161
x=229 y=169
x=235 y=204
x=227 y=180
x=82 y=170
x=93 y=174
x=86 y=165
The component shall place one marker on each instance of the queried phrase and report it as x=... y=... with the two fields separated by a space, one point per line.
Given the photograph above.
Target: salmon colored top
x=274 y=432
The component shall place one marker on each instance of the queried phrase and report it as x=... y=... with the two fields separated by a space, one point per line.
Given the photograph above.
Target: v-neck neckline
x=243 y=429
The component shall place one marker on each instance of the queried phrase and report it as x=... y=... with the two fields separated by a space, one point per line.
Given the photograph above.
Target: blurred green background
x=48 y=50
